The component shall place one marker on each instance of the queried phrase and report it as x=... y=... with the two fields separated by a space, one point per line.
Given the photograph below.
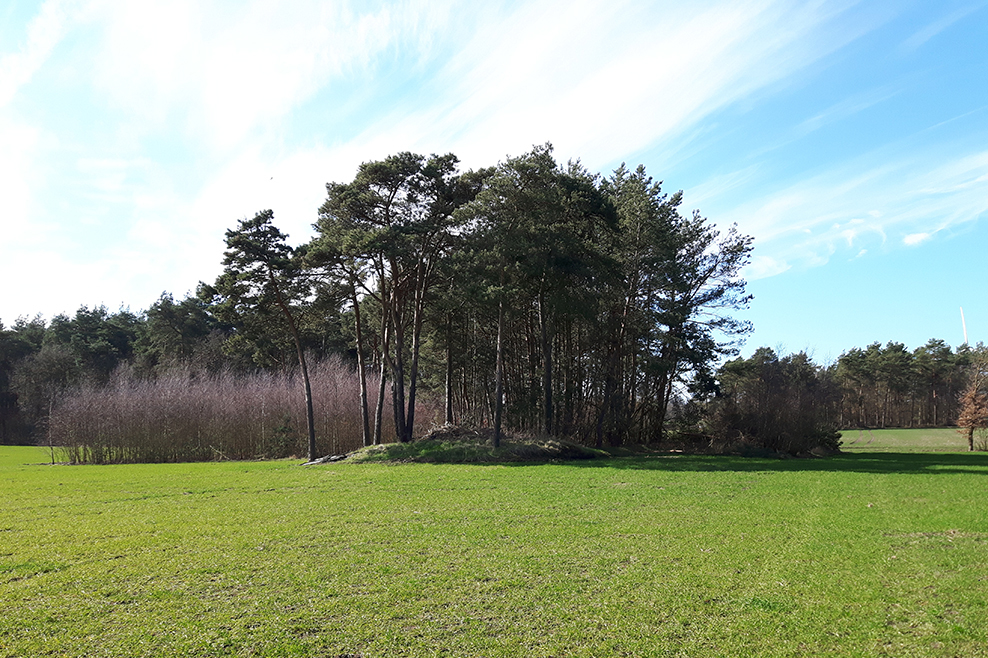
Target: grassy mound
x=459 y=445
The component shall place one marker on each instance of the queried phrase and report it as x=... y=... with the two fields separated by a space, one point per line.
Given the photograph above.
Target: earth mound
x=453 y=444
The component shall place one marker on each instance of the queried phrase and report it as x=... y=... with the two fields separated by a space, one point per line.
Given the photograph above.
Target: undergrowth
x=456 y=445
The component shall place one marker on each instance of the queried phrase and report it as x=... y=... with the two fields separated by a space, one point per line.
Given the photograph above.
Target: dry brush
x=189 y=415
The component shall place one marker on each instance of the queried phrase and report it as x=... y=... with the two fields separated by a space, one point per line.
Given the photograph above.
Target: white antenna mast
x=963 y=325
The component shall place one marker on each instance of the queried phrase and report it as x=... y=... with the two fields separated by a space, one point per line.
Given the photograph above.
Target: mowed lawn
x=868 y=554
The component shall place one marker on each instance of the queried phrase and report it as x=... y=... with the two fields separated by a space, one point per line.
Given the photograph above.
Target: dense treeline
x=174 y=366
x=530 y=296
x=892 y=387
x=101 y=380
x=775 y=399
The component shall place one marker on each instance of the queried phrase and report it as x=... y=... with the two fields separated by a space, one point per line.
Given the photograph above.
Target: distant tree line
x=531 y=297
x=781 y=399
x=892 y=387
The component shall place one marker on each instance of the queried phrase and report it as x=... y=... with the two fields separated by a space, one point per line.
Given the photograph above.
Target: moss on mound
x=460 y=445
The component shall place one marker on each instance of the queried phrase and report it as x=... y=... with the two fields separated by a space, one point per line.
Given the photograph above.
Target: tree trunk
x=361 y=371
x=309 y=415
x=417 y=319
x=385 y=340
x=379 y=407
x=449 y=370
x=604 y=406
x=546 y=339
x=398 y=376
x=499 y=375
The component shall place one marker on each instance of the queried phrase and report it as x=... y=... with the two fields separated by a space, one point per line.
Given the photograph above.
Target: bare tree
x=974 y=400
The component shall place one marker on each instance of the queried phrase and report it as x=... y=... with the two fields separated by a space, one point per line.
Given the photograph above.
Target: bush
x=190 y=415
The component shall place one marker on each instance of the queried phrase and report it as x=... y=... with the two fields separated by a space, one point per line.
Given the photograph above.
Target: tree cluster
x=785 y=404
x=534 y=296
x=41 y=361
x=530 y=296
x=788 y=403
x=973 y=413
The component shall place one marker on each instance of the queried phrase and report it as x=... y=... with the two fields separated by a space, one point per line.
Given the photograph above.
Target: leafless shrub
x=187 y=414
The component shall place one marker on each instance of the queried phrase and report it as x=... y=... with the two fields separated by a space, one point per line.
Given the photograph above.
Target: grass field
x=938 y=439
x=867 y=553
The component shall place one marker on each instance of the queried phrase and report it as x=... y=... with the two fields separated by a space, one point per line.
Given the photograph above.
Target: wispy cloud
x=934 y=28
x=228 y=69
x=194 y=114
x=846 y=108
x=763 y=267
x=604 y=79
x=184 y=109
x=861 y=203
x=44 y=32
x=17 y=168
x=19 y=138
x=599 y=79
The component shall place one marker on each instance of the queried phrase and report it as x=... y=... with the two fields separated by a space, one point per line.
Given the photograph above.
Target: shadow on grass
x=857 y=462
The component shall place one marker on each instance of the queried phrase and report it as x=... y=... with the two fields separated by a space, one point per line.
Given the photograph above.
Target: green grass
x=938 y=439
x=872 y=554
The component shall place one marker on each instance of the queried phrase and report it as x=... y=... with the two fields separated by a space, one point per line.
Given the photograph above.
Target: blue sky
x=849 y=138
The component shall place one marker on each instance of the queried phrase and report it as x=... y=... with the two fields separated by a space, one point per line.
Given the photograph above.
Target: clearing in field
x=867 y=553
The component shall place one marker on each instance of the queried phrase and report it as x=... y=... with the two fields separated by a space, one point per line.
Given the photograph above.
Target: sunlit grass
x=934 y=439
x=862 y=554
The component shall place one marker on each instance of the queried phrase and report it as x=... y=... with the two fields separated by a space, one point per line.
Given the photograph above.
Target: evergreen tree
x=262 y=279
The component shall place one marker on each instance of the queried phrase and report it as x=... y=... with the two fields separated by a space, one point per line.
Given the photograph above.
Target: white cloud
x=763 y=267
x=148 y=56
x=218 y=83
x=20 y=140
x=231 y=69
x=605 y=79
x=44 y=32
x=212 y=82
x=17 y=145
x=914 y=239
